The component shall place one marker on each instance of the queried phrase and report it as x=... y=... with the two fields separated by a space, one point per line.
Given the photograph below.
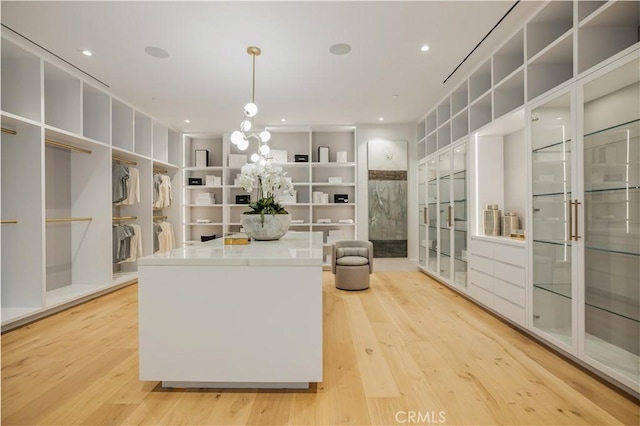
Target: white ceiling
x=207 y=77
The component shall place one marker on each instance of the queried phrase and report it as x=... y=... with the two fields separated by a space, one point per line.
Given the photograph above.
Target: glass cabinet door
x=432 y=216
x=551 y=144
x=611 y=255
x=422 y=215
x=459 y=181
x=445 y=209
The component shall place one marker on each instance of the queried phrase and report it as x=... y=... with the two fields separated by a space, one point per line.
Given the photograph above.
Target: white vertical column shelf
x=143 y=134
x=96 y=114
x=121 y=125
x=21 y=82
x=62 y=100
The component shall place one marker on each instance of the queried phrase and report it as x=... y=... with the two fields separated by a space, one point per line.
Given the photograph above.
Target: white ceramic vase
x=273 y=228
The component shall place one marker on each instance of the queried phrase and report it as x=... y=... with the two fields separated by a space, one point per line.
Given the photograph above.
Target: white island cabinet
x=248 y=316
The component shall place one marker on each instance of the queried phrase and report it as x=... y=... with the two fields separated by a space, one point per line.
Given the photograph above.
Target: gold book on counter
x=236 y=239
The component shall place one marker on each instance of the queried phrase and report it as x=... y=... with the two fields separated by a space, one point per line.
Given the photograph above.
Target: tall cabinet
x=585 y=165
x=61 y=136
x=552 y=122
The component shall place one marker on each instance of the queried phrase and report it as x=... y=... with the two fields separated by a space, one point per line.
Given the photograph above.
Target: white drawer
x=509 y=254
x=482 y=280
x=481 y=264
x=481 y=248
x=481 y=295
x=510 y=292
x=510 y=311
x=510 y=273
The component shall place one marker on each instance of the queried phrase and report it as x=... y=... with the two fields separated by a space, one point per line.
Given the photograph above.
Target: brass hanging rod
x=156 y=169
x=65 y=146
x=125 y=217
x=70 y=219
x=7 y=221
x=11 y=132
x=124 y=161
x=157 y=217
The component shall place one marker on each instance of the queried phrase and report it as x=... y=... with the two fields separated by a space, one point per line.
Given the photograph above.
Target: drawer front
x=510 y=292
x=481 y=264
x=481 y=295
x=510 y=311
x=482 y=280
x=509 y=254
x=510 y=273
x=481 y=248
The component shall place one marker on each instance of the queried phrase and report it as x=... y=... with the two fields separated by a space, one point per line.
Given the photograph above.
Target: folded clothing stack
x=203 y=221
x=347 y=221
x=205 y=198
x=323 y=221
x=297 y=221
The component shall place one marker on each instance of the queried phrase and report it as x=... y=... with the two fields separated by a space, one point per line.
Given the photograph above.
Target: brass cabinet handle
x=450 y=210
x=576 y=203
x=569 y=205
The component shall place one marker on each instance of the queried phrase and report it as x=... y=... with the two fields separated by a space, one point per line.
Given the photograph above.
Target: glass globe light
x=264 y=149
x=255 y=157
x=250 y=109
x=243 y=145
x=237 y=137
x=245 y=126
x=265 y=136
x=263 y=161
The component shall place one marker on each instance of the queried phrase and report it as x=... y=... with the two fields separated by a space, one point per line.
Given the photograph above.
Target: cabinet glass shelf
x=568 y=194
x=606 y=250
x=557 y=243
x=461 y=259
x=630 y=188
x=619 y=306
x=559 y=289
x=554 y=144
x=606 y=129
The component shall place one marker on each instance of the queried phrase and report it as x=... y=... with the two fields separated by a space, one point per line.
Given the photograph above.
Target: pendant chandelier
x=242 y=137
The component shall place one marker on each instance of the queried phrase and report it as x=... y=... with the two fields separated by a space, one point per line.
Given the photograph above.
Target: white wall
x=398 y=132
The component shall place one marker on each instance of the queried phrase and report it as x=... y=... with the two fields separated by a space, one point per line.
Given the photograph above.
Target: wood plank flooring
x=406 y=351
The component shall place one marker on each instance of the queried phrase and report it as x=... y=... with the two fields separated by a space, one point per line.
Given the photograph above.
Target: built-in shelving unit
x=330 y=178
x=67 y=132
x=518 y=110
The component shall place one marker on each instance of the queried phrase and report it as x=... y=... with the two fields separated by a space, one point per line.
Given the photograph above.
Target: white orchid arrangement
x=269 y=181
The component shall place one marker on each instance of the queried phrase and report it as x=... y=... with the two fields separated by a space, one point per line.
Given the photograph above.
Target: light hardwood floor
x=406 y=351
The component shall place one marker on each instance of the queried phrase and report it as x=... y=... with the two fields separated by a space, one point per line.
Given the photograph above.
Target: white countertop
x=294 y=249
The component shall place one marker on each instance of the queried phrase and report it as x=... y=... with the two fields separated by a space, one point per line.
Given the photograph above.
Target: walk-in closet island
x=216 y=315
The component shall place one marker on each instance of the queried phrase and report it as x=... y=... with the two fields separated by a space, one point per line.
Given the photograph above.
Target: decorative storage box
x=334 y=179
x=212 y=180
x=340 y=198
x=243 y=199
x=202 y=158
x=323 y=154
x=278 y=155
x=301 y=158
x=195 y=181
x=341 y=156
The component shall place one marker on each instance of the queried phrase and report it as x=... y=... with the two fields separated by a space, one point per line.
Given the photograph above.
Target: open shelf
x=509 y=94
x=480 y=81
x=552 y=22
x=480 y=113
x=551 y=67
x=21 y=83
x=96 y=114
x=508 y=58
x=459 y=98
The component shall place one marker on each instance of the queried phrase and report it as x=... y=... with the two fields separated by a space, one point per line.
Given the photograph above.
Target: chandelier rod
x=253 y=51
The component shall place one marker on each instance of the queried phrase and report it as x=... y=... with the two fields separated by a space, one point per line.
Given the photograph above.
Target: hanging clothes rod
x=7 y=221
x=158 y=217
x=70 y=219
x=123 y=161
x=11 y=132
x=156 y=169
x=125 y=217
x=65 y=146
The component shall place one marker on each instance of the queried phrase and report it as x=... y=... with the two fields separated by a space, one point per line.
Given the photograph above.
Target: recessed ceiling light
x=394 y=96
x=559 y=118
x=340 y=49
x=87 y=53
x=381 y=119
x=283 y=120
x=156 y=52
x=187 y=121
x=424 y=48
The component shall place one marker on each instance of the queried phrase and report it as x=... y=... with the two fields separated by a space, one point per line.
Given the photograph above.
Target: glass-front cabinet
x=551 y=231
x=445 y=214
x=422 y=214
x=610 y=231
x=585 y=227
